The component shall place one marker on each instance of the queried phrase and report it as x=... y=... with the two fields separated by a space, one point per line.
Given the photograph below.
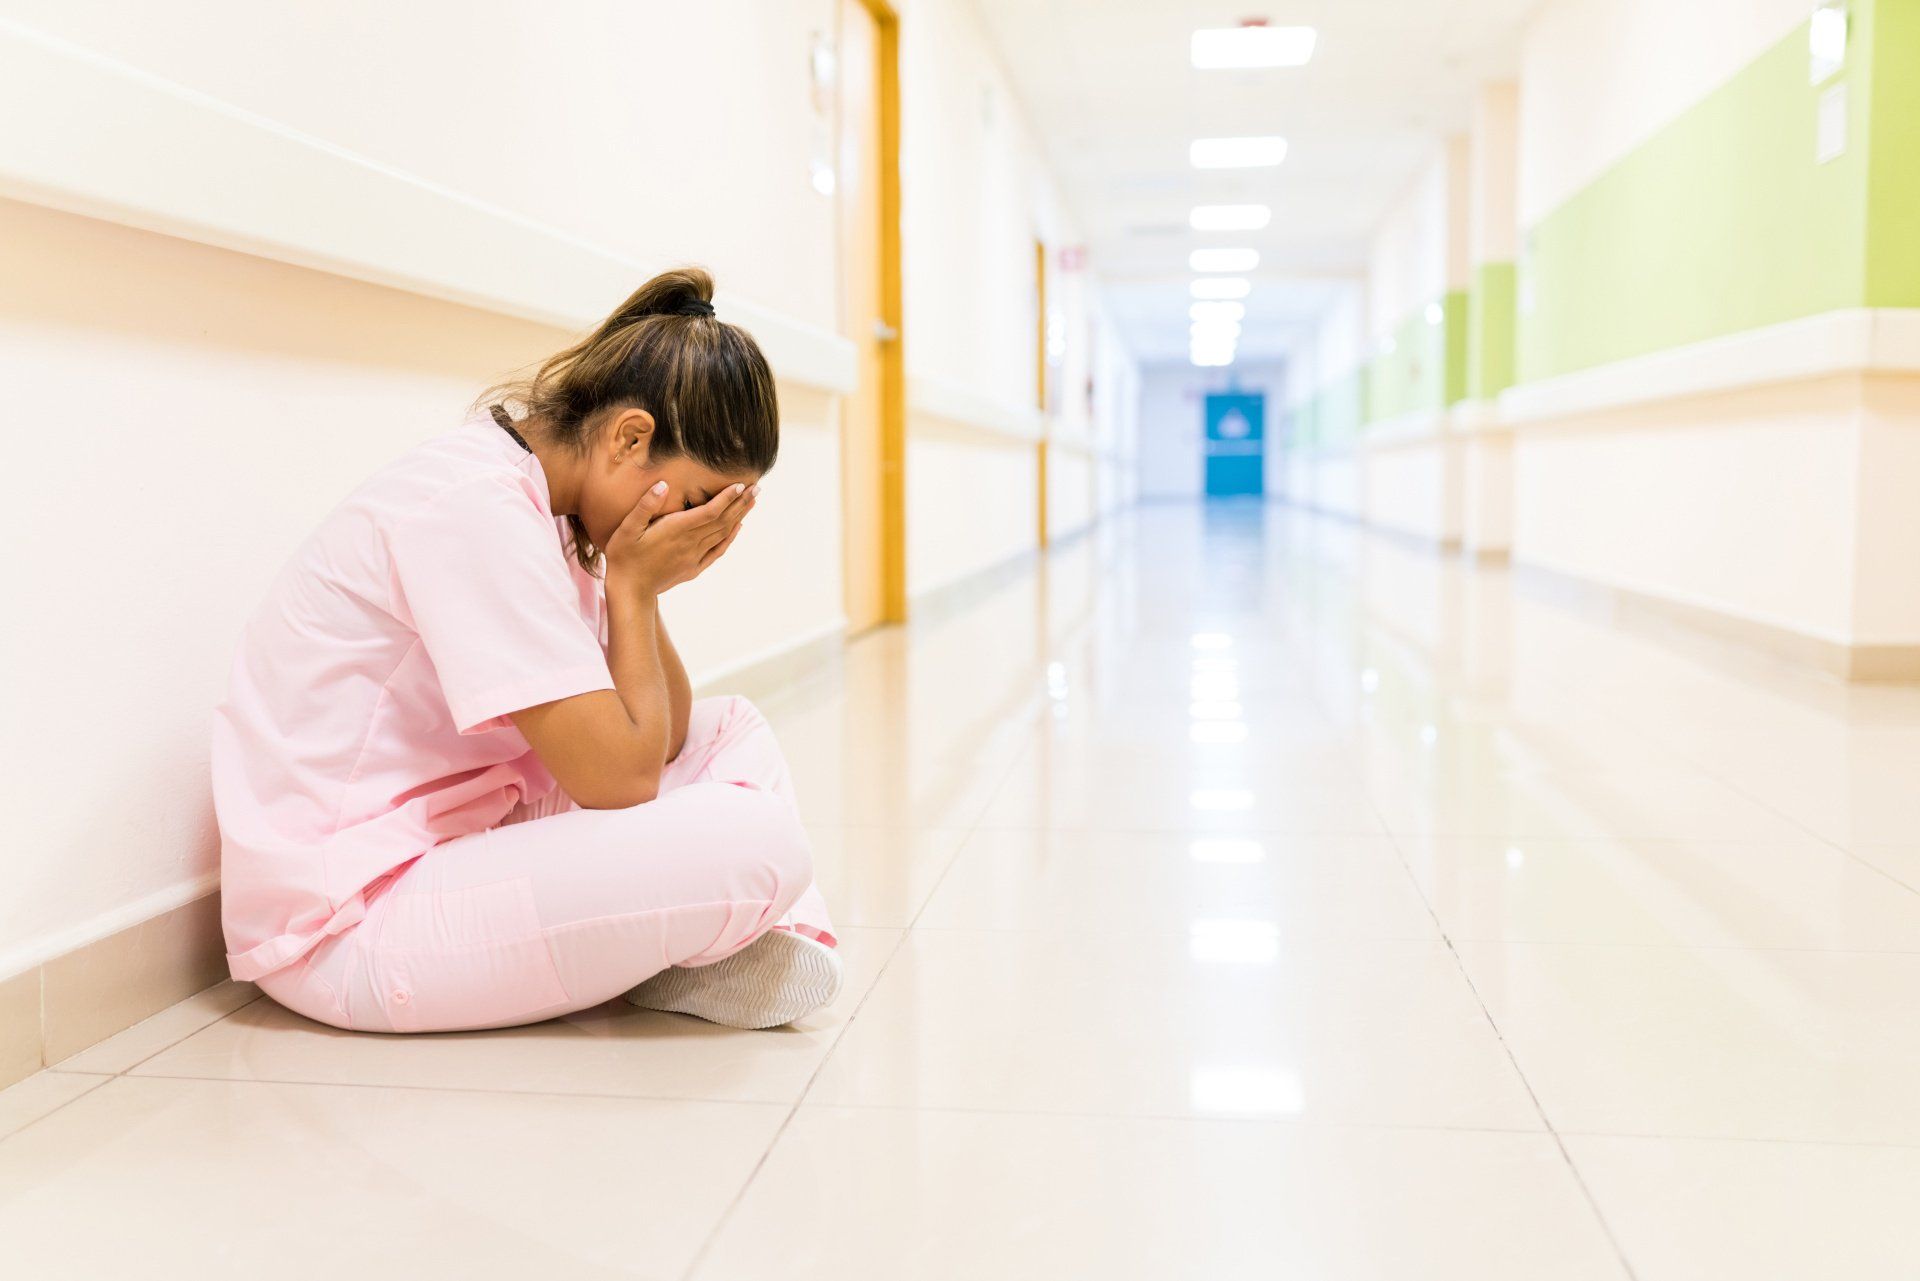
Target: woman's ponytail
x=705 y=382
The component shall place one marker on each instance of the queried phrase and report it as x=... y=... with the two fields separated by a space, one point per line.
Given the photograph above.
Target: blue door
x=1236 y=443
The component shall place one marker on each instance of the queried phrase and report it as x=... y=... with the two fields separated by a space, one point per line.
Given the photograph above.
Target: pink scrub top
x=366 y=720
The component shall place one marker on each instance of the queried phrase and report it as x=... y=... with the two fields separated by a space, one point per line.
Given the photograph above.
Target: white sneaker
x=774 y=980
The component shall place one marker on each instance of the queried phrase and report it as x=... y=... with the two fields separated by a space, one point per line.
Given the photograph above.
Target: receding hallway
x=1235 y=893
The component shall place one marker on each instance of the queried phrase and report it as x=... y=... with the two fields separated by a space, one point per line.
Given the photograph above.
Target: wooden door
x=873 y=415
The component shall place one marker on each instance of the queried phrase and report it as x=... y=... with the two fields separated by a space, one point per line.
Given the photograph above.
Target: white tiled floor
x=1235 y=896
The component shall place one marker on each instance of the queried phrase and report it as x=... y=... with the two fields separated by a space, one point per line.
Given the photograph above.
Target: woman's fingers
x=716 y=508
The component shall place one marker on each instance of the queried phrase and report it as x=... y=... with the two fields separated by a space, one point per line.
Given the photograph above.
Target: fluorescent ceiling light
x=1220 y=331
x=1205 y=359
x=1237 y=153
x=1229 y=217
x=1215 y=287
x=1224 y=259
x=1218 y=48
x=1216 y=311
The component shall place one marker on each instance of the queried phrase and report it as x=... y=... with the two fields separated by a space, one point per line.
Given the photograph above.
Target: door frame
x=1040 y=380
x=893 y=371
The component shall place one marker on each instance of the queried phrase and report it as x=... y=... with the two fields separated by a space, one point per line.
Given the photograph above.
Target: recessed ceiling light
x=1217 y=311
x=1236 y=153
x=1217 y=48
x=1220 y=287
x=1224 y=259
x=1229 y=217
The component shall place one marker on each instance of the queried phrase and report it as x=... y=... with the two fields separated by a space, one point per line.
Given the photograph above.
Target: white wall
x=1408 y=264
x=1599 y=77
x=1697 y=477
x=975 y=196
x=1492 y=233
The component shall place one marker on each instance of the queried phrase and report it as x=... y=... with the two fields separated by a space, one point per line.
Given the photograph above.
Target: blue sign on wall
x=1236 y=443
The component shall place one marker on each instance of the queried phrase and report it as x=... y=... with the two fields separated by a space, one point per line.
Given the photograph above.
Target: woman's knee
x=759 y=833
x=734 y=712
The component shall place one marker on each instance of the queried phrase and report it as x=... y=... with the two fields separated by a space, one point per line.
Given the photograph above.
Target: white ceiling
x=1108 y=85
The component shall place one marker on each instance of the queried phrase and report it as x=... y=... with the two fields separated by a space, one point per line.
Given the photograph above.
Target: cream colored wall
x=971 y=207
x=975 y=195
x=1117 y=393
x=1337 y=484
x=1740 y=503
x=1415 y=487
x=1340 y=339
x=1886 y=602
x=1070 y=481
x=1598 y=77
x=569 y=114
x=972 y=502
x=1408 y=265
x=1491 y=159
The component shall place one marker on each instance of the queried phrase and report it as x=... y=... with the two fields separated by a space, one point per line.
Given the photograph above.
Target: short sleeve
x=480 y=577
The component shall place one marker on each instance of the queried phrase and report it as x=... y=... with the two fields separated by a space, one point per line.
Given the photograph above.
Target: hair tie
x=694 y=307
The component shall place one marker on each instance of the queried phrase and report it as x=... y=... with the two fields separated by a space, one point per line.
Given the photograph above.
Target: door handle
x=883 y=332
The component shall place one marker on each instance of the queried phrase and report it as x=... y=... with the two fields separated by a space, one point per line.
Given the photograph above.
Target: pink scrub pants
x=561 y=908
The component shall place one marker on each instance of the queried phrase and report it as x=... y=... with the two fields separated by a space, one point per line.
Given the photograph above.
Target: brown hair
x=662 y=350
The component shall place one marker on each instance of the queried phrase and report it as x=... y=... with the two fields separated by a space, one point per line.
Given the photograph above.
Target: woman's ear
x=630 y=436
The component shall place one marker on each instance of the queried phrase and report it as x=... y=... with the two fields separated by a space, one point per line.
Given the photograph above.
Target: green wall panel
x=1489 y=345
x=1722 y=221
x=1891 y=31
x=1427 y=368
x=1454 y=337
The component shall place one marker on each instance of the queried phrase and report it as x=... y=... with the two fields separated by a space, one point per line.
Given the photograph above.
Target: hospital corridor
x=1163 y=641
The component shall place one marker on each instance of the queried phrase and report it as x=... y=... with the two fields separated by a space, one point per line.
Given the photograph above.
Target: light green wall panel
x=1426 y=370
x=1340 y=409
x=1407 y=377
x=1489 y=345
x=1722 y=221
x=1454 y=338
x=1891 y=31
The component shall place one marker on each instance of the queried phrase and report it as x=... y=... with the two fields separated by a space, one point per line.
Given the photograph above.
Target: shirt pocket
x=456 y=960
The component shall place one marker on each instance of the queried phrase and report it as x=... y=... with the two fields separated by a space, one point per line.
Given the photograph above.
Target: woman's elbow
x=620 y=792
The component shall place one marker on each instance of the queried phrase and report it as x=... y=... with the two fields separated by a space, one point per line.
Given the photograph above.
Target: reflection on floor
x=1236 y=895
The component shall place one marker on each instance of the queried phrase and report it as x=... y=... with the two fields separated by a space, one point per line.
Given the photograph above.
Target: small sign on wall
x=1826 y=40
x=1830 y=130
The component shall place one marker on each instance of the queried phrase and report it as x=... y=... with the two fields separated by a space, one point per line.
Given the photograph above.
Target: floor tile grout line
x=1819 y=836
x=257 y=996
x=1248 y=1118
x=104 y=1080
x=604 y=1096
x=1356 y=940
x=1513 y=1060
x=57 y=1067
x=1546 y=1121
x=1717 y=775
x=726 y=1215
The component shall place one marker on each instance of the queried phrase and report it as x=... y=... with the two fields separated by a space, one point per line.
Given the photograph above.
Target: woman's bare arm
x=608 y=748
x=679 y=690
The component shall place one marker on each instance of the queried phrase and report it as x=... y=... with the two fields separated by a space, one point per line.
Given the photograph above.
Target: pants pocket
x=464 y=959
